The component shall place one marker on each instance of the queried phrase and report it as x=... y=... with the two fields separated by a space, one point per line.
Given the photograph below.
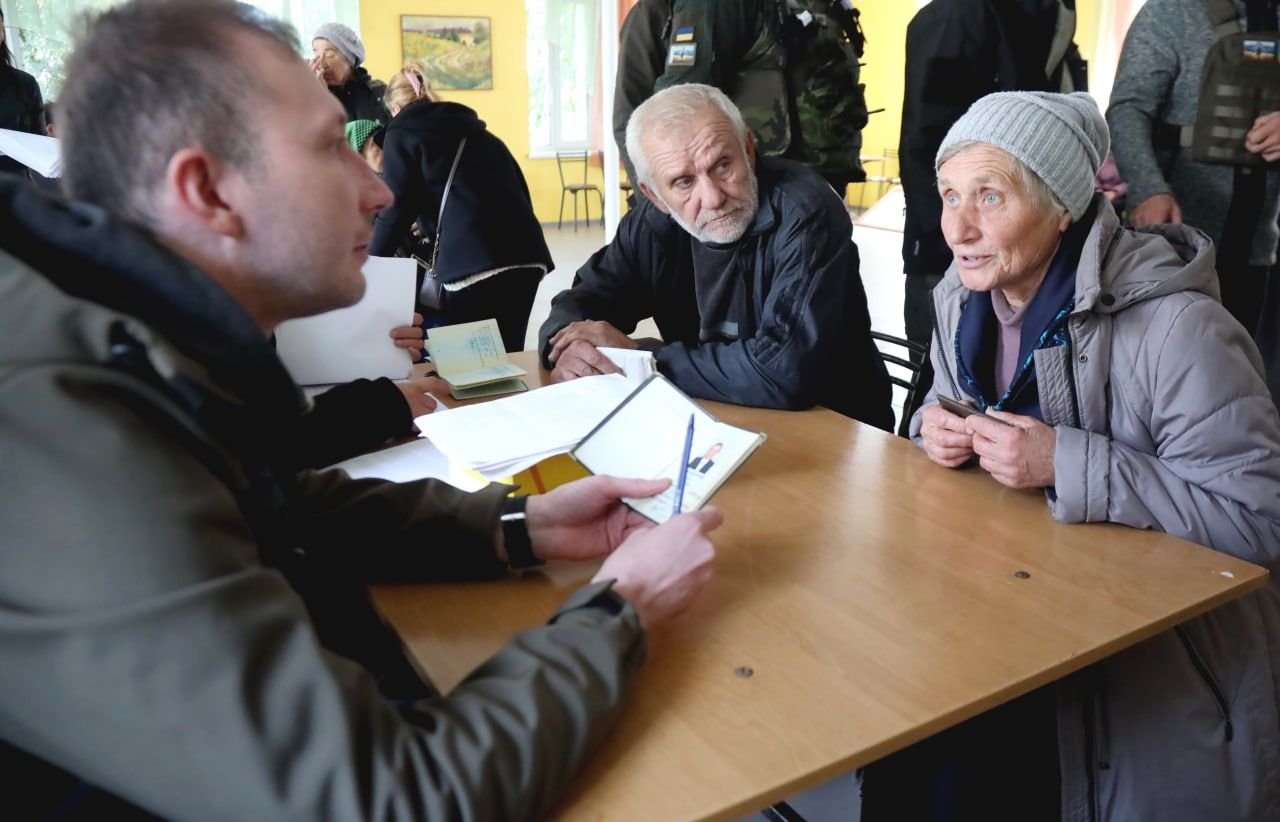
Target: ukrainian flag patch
x=684 y=34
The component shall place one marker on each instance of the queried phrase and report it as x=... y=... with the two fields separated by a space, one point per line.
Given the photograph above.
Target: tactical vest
x=797 y=85
x=1241 y=81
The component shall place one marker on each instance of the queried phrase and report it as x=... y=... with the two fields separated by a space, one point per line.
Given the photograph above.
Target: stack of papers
x=35 y=151
x=500 y=438
x=470 y=357
x=415 y=460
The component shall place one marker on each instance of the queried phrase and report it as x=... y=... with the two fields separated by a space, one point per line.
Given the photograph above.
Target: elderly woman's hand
x=946 y=441
x=1016 y=450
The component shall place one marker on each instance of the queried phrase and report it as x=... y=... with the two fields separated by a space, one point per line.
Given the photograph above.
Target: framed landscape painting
x=458 y=51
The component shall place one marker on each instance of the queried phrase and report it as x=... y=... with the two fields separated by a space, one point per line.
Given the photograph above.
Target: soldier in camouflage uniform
x=796 y=83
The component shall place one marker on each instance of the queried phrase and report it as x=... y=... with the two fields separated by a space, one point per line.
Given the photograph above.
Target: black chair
x=569 y=158
x=915 y=362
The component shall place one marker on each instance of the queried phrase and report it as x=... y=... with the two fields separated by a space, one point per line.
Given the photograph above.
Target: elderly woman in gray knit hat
x=336 y=57
x=1103 y=369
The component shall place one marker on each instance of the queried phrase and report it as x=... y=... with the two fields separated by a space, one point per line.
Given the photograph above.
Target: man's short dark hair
x=151 y=77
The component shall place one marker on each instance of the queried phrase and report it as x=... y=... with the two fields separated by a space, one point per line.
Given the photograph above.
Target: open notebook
x=644 y=437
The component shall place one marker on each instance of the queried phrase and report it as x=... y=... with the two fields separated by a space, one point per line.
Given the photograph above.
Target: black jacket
x=957 y=52
x=21 y=109
x=361 y=96
x=153 y=634
x=489 y=221
x=804 y=330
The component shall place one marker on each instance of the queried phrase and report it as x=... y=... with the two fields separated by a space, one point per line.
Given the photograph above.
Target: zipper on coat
x=1207 y=676
x=1090 y=742
x=937 y=338
x=1071 y=382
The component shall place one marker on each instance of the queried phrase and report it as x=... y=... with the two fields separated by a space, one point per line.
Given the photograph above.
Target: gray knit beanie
x=1061 y=137
x=344 y=40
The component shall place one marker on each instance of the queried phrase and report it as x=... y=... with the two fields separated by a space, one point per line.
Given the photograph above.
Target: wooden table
x=864 y=599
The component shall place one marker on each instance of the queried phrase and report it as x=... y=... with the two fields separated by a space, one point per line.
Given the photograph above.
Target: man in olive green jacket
x=184 y=630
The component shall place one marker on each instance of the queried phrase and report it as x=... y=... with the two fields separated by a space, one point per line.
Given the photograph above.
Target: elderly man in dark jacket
x=184 y=631
x=748 y=266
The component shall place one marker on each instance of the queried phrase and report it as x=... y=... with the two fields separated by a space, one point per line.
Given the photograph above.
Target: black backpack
x=1241 y=81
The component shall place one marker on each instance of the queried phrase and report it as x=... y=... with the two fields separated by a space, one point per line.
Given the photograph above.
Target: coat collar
x=88 y=255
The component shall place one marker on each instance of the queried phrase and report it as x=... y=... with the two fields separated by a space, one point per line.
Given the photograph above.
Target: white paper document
x=404 y=463
x=354 y=342
x=637 y=364
x=37 y=152
x=503 y=437
x=645 y=437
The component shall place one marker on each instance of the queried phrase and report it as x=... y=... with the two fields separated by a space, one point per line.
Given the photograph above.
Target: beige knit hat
x=1061 y=137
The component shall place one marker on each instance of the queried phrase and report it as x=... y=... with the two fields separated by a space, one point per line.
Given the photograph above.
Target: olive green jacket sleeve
x=145 y=648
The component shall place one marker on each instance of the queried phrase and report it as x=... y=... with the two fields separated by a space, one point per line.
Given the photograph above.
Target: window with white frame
x=39 y=32
x=561 y=47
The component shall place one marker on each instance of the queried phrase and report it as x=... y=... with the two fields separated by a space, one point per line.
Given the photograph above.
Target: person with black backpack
x=1197 y=85
x=21 y=105
x=790 y=66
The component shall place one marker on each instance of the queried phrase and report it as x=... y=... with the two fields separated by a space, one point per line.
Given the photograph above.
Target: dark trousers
x=506 y=297
x=999 y=765
x=1243 y=289
x=917 y=306
x=1268 y=334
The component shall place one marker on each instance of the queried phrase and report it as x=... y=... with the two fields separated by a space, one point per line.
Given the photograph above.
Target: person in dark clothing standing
x=957 y=52
x=336 y=57
x=488 y=250
x=1157 y=93
x=21 y=106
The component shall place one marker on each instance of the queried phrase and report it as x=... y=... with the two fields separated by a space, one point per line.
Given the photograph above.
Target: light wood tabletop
x=864 y=599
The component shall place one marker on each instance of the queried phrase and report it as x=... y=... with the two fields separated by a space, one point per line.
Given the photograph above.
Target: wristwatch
x=515 y=534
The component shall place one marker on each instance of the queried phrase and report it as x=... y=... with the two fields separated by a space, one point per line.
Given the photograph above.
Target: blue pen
x=684 y=468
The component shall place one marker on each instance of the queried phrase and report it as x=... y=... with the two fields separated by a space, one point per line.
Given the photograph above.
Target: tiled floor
x=880 y=248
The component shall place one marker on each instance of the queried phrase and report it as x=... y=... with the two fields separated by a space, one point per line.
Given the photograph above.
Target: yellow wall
x=505 y=108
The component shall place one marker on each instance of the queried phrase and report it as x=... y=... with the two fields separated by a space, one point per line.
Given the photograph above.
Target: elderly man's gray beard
x=728 y=230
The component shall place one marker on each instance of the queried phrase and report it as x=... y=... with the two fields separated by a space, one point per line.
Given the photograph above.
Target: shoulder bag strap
x=444 y=198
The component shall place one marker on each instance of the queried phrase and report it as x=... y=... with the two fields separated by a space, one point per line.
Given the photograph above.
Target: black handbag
x=431 y=294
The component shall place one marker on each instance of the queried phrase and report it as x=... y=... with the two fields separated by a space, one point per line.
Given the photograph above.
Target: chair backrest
x=904 y=370
x=889 y=165
x=564 y=158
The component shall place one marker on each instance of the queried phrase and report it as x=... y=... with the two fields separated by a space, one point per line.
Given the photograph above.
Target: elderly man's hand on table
x=581 y=359
x=596 y=332
x=946 y=441
x=1014 y=449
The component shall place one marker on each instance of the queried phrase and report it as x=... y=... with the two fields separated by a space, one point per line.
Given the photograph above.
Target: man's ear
x=653 y=198
x=198 y=183
x=749 y=145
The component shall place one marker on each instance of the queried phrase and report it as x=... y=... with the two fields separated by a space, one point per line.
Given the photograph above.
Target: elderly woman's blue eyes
x=950 y=199
x=991 y=198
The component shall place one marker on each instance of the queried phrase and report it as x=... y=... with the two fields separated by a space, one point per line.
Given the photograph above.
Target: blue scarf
x=1044 y=325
